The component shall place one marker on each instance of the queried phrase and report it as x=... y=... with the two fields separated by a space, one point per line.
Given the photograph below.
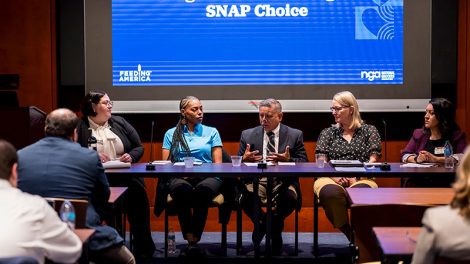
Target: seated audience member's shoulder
x=439 y=214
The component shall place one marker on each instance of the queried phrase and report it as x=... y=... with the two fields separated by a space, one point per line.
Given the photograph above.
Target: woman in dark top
x=348 y=139
x=117 y=139
x=427 y=143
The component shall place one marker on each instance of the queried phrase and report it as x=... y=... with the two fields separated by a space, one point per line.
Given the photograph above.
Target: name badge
x=439 y=151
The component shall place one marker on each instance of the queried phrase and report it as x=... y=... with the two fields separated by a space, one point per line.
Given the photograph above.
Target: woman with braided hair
x=192 y=196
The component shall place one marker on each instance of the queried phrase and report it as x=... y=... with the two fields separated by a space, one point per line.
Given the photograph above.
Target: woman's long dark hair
x=178 y=142
x=445 y=113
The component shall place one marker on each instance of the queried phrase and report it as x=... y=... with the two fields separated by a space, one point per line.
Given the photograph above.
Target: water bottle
x=92 y=143
x=67 y=214
x=171 y=241
x=449 y=160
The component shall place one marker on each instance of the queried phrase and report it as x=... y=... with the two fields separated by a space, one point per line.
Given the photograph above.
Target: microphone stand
x=385 y=166
x=150 y=166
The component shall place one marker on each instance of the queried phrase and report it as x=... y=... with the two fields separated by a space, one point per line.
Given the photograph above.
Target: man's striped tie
x=271 y=143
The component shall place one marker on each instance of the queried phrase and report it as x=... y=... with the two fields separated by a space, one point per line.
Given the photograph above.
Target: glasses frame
x=338 y=109
x=108 y=103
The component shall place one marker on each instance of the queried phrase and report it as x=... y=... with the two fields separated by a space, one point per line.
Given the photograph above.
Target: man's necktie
x=271 y=143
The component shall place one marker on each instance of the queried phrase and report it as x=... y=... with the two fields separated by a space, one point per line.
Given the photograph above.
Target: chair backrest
x=79 y=205
x=443 y=260
x=19 y=260
x=226 y=157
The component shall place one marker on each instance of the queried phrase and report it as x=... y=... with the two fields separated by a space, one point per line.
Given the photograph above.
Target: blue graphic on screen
x=239 y=42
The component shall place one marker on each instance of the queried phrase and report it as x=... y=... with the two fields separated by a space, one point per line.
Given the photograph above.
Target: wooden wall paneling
x=27 y=47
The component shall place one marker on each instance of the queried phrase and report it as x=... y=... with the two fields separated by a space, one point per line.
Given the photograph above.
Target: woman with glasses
x=427 y=143
x=118 y=140
x=348 y=139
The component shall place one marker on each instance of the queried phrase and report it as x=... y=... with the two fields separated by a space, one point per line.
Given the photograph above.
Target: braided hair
x=178 y=142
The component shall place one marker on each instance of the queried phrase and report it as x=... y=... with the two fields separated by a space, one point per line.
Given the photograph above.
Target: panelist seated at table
x=272 y=141
x=446 y=229
x=192 y=196
x=348 y=139
x=118 y=140
x=29 y=226
x=427 y=143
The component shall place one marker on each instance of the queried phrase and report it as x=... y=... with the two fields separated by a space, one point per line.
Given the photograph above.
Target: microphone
x=385 y=166
x=150 y=166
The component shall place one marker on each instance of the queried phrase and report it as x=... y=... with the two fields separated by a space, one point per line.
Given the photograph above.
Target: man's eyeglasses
x=337 y=108
x=108 y=103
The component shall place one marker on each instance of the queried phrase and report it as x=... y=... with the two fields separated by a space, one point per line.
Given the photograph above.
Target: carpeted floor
x=333 y=248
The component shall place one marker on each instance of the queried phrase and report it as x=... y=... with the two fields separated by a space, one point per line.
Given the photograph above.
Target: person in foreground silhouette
x=57 y=167
x=272 y=141
x=29 y=226
x=348 y=139
x=446 y=229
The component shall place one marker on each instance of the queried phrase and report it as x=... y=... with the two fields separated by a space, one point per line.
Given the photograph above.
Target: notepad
x=116 y=164
x=161 y=162
x=181 y=163
x=346 y=163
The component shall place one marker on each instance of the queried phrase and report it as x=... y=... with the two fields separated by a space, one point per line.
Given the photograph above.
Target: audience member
x=445 y=228
x=29 y=226
x=57 y=167
x=427 y=143
x=349 y=139
x=272 y=141
x=117 y=139
x=192 y=196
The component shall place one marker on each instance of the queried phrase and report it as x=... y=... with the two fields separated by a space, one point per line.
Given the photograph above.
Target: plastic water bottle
x=67 y=214
x=92 y=143
x=449 y=161
x=171 y=241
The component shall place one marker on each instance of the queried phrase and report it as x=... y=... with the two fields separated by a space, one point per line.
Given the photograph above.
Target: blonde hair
x=461 y=187
x=347 y=99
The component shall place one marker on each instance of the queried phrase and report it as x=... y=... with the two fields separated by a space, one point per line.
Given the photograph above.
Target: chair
x=239 y=225
x=225 y=201
x=79 y=205
x=19 y=260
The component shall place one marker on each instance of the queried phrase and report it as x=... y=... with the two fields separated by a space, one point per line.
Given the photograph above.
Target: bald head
x=61 y=123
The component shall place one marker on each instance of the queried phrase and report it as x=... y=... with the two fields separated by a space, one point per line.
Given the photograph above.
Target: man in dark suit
x=272 y=142
x=56 y=166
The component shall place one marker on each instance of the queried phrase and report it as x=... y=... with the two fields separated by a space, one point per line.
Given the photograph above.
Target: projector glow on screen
x=258 y=42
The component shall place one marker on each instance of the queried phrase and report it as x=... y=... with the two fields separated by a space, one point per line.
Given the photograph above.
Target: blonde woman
x=348 y=139
x=446 y=228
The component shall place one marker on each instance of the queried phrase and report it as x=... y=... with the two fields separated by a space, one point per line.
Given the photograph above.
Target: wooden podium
x=22 y=126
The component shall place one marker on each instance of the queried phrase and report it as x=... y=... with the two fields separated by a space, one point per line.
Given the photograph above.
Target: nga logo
x=380 y=75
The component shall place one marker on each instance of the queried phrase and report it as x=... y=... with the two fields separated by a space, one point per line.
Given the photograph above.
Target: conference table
x=375 y=207
x=307 y=169
x=396 y=243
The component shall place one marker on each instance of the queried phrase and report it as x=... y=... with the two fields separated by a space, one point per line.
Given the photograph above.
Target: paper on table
x=115 y=164
x=161 y=162
x=254 y=164
x=181 y=163
x=351 y=169
x=286 y=163
x=418 y=165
